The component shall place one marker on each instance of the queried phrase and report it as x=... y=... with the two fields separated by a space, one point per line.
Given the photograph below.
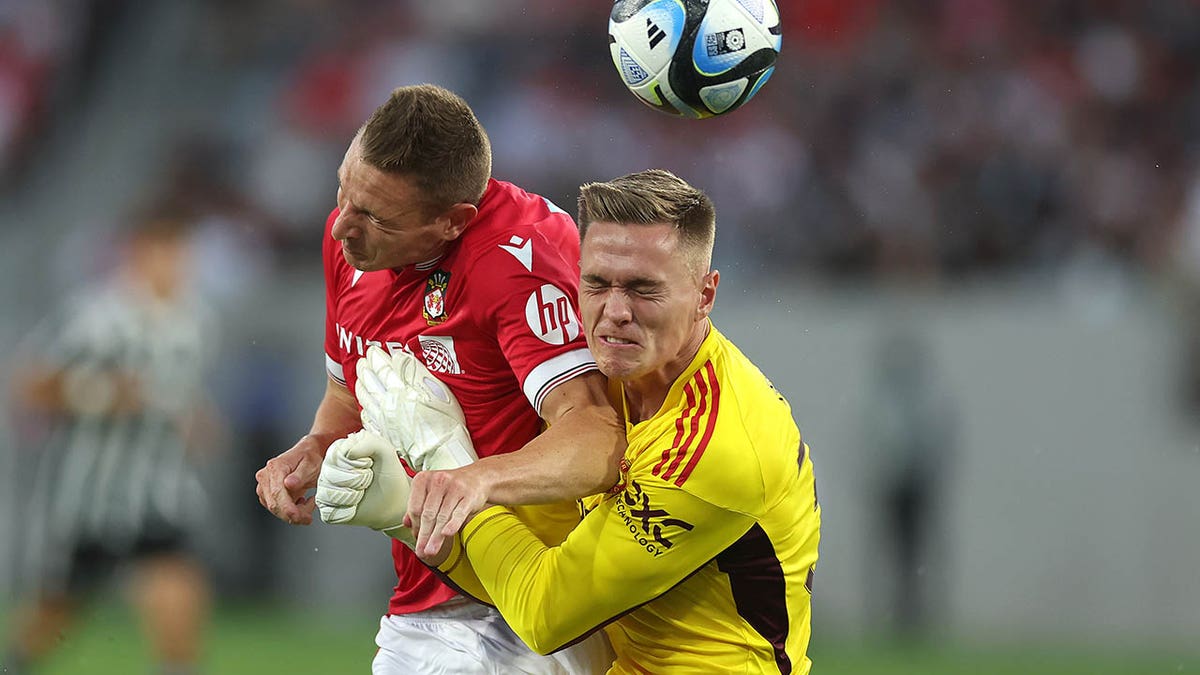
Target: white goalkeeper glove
x=362 y=482
x=404 y=403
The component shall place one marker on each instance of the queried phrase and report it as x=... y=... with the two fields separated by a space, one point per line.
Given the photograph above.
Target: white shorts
x=463 y=637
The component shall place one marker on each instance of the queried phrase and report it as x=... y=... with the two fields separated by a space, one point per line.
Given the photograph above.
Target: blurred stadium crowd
x=957 y=136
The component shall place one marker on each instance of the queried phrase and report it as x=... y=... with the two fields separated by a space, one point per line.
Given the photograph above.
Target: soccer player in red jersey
x=427 y=253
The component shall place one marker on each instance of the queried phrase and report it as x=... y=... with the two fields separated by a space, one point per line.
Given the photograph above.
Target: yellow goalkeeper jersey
x=699 y=561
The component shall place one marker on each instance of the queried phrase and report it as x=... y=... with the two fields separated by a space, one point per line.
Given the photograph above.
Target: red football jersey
x=495 y=318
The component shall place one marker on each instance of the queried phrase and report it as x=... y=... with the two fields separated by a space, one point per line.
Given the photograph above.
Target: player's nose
x=617 y=308
x=344 y=227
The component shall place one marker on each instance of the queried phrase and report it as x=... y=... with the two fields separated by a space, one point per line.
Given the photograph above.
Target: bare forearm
x=577 y=456
x=336 y=417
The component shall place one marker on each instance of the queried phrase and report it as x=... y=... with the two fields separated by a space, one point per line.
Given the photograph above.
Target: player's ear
x=455 y=219
x=708 y=293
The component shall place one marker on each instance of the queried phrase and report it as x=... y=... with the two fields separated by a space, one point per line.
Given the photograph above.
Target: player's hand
x=363 y=483
x=440 y=503
x=285 y=479
x=439 y=555
x=405 y=404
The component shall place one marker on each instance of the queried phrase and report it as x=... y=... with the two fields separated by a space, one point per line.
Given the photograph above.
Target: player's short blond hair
x=650 y=197
x=430 y=134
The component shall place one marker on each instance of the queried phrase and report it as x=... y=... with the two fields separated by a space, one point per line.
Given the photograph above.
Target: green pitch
x=252 y=640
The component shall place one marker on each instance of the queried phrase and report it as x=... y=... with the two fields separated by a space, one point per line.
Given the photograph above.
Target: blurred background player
x=116 y=375
x=909 y=426
x=427 y=253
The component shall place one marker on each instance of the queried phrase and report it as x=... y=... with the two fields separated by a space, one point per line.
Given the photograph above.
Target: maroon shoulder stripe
x=679 y=422
x=694 y=429
x=709 y=426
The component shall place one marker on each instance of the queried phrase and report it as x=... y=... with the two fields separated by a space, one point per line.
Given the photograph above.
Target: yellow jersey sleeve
x=458 y=570
x=550 y=523
x=631 y=548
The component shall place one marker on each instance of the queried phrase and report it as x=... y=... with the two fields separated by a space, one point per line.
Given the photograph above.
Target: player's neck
x=642 y=401
x=644 y=396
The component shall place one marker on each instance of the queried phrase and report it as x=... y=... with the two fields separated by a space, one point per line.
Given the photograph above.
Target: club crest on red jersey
x=434 y=309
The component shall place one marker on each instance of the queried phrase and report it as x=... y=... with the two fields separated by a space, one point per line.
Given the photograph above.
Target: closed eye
x=591 y=281
x=645 y=289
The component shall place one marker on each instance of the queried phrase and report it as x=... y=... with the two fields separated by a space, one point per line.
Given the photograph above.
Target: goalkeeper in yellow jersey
x=701 y=559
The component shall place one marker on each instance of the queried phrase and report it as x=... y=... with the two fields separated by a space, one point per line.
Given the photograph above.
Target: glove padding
x=404 y=403
x=362 y=482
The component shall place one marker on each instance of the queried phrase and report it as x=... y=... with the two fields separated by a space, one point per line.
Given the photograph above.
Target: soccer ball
x=695 y=58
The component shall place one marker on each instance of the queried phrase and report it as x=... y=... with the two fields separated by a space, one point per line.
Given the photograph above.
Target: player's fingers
x=421 y=533
x=458 y=517
x=433 y=546
x=363 y=452
x=431 y=519
x=437 y=533
x=265 y=489
x=303 y=476
x=275 y=494
x=353 y=479
x=285 y=500
x=284 y=506
x=332 y=494
x=301 y=512
x=267 y=498
x=335 y=515
x=416 y=501
x=285 y=493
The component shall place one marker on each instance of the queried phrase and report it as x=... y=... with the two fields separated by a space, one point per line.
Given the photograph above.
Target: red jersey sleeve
x=335 y=268
x=531 y=296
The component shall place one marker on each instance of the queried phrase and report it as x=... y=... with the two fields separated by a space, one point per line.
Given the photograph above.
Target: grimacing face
x=382 y=221
x=643 y=306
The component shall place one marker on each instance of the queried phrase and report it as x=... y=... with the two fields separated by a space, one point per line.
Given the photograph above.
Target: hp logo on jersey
x=550 y=316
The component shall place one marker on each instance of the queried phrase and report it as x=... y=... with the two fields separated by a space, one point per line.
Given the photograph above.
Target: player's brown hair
x=430 y=134
x=651 y=197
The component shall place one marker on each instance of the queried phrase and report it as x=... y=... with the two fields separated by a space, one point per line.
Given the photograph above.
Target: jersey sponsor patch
x=434 y=308
x=550 y=316
x=649 y=525
x=439 y=354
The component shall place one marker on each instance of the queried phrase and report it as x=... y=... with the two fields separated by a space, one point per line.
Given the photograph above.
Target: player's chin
x=353 y=259
x=362 y=263
x=615 y=367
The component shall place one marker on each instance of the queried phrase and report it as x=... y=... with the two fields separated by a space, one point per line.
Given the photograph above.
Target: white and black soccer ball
x=695 y=58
